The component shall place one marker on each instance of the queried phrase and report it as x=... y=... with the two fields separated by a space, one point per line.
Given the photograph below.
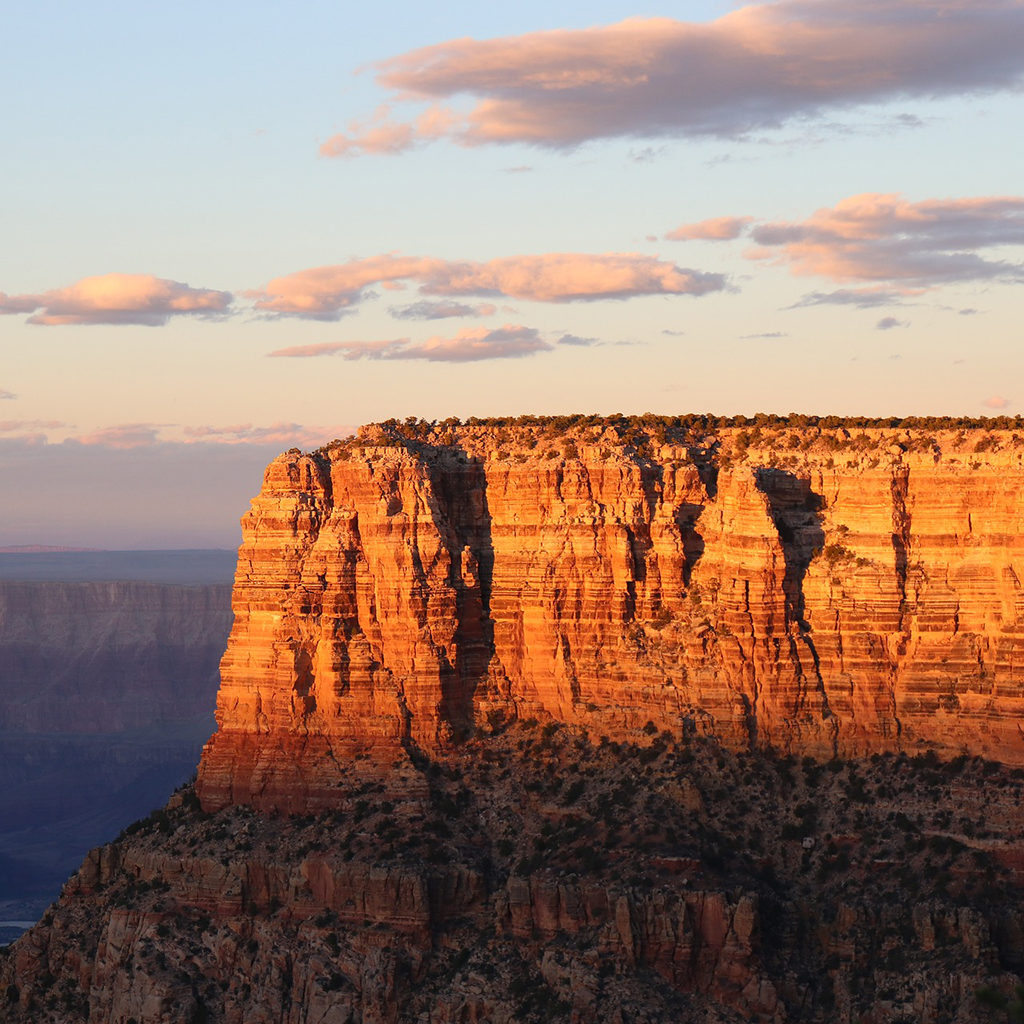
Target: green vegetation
x=648 y=429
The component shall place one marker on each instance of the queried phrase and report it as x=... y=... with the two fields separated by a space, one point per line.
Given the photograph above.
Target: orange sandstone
x=816 y=592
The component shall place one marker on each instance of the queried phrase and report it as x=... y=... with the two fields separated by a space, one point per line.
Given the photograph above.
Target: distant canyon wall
x=822 y=591
x=106 y=697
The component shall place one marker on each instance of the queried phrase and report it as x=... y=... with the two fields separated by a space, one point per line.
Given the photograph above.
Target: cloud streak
x=886 y=238
x=861 y=298
x=328 y=293
x=140 y=299
x=754 y=68
x=280 y=433
x=473 y=344
x=717 y=229
x=427 y=309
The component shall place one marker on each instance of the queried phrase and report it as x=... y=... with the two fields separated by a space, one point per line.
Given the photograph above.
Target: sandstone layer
x=830 y=592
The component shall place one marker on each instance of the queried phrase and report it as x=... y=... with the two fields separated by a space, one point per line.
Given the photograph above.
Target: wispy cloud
x=887 y=323
x=717 y=229
x=886 y=238
x=428 y=309
x=862 y=298
x=754 y=68
x=127 y=436
x=997 y=402
x=327 y=293
x=117 y=299
x=6 y=394
x=578 y=342
x=122 y=435
x=470 y=345
x=281 y=433
x=764 y=334
x=18 y=426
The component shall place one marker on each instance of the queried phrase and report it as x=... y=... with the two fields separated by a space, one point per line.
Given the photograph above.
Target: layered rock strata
x=817 y=591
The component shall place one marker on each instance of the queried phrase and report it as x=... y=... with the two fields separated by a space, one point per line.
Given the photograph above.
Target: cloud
x=969 y=311
x=576 y=340
x=378 y=134
x=862 y=298
x=6 y=394
x=118 y=299
x=123 y=435
x=997 y=402
x=16 y=426
x=756 y=67
x=282 y=434
x=327 y=293
x=886 y=238
x=717 y=229
x=440 y=309
x=470 y=345
x=764 y=334
x=887 y=323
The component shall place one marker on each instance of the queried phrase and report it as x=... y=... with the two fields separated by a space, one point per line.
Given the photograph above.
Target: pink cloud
x=284 y=434
x=886 y=238
x=118 y=299
x=997 y=402
x=11 y=304
x=472 y=344
x=568 y=277
x=755 y=67
x=378 y=134
x=10 y=426
x=717 y=229
x=123 y=435
x=327 y=293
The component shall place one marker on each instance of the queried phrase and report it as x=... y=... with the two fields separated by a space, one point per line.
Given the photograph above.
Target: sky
x=231 y=229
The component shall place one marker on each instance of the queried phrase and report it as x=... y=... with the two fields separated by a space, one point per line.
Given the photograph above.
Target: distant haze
x=162 y=496
x=190 y=568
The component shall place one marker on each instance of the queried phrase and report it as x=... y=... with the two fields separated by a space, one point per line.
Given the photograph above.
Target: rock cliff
x=590 y=721
x=830 y=592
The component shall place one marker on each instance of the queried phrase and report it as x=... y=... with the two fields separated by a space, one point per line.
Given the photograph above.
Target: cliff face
x=816 y=592
x=685 y=614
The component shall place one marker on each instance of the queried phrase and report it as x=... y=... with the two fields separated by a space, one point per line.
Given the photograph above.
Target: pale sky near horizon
x=233 y=228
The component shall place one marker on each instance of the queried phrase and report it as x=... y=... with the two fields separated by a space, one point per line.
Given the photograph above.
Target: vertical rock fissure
x=796 y=512
x=460 y=487
x=900 y=535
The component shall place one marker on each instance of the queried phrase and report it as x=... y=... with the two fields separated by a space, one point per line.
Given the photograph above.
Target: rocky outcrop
x=538 y=877
x=815 y=591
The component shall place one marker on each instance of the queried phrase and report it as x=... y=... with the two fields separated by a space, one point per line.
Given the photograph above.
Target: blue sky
x=494 y=230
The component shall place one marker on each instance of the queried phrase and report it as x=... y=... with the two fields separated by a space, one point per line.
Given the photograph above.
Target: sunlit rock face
x=819 y=591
